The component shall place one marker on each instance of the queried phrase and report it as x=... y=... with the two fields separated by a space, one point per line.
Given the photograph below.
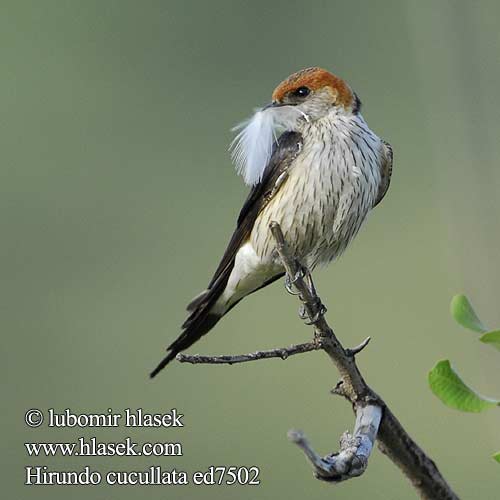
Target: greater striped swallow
x=318 y=180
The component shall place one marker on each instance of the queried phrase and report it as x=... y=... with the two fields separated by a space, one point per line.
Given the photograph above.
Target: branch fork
x=374 y=420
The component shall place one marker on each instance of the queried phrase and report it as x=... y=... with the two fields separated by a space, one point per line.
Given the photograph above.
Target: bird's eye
x=302 y=92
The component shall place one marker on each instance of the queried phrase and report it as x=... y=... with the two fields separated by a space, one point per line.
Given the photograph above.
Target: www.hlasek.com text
x=94 y=448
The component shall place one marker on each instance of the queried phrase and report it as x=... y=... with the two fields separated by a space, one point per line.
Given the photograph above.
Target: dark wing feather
x=386 y=171
x=200 y=320
x=285 y=151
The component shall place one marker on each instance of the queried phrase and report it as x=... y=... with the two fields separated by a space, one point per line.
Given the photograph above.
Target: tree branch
x=374 y=420
x=283 y=353
x=393 y=440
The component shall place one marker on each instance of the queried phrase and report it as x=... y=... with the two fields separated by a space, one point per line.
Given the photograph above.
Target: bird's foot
x=290 y=282
x=320 y=311
x=303 y=314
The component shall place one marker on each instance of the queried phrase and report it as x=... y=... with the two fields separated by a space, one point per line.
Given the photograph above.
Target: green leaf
x=452 y=391
x=461 y=309
x=496 y=457
x=492 y=338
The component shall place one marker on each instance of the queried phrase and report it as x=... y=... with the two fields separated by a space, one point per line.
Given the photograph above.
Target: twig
x=355 y=449
x=283 y=353
x=359 y=348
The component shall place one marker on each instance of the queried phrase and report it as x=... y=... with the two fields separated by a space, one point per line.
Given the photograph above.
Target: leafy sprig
x=445 y=382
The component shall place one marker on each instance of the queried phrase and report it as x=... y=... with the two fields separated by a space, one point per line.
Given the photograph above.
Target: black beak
x=274 y=104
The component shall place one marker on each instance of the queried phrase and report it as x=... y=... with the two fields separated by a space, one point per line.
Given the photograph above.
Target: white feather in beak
x=251 y=149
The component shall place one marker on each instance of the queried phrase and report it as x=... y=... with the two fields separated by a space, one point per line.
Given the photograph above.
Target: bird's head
x=300 y=100
x=314 y=92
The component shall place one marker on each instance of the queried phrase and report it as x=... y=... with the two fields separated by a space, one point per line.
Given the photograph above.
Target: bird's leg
x=304 y=274
x=320 y=311
x=319 y=306
x=289 y=281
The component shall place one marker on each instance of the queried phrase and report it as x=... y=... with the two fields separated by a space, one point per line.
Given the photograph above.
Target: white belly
x=329 y=192
x=250 y=272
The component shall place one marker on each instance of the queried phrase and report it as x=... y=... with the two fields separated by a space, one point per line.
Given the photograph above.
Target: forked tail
x=197 y=325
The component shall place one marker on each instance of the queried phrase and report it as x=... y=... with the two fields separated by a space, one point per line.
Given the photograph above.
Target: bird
x=314 y=167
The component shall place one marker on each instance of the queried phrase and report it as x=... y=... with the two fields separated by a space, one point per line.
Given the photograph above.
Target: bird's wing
x=386 y=172
x=285 y=151
x=275 y=175
x=201 y=320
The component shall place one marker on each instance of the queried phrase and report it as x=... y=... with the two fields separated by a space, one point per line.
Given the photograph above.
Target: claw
x=320 y=311
x=289 y=282
x=305 y=274
x=302 y=312
x=289 y=285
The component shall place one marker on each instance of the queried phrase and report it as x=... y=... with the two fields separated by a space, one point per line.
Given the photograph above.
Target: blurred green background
x=118 y=197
